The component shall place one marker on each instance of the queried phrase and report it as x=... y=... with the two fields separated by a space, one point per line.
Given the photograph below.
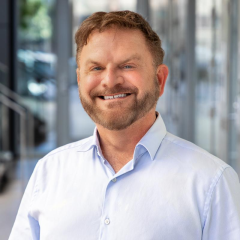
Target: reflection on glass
x=36 y=69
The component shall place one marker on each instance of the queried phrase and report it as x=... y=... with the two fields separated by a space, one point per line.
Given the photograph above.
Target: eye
x=96 y=69
x=127 y=66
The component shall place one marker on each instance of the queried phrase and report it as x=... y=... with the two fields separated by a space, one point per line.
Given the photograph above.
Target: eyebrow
x=133 y=57
x=90 y=61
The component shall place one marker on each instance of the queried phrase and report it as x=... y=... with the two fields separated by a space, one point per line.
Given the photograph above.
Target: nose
x=111 y=78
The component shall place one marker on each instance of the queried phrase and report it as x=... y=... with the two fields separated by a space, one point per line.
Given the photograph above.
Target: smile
x=115 y=96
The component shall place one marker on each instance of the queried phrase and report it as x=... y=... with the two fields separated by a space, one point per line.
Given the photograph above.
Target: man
x=132 y=180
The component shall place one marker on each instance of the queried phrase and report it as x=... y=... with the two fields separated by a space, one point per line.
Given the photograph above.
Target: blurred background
x=39 y=104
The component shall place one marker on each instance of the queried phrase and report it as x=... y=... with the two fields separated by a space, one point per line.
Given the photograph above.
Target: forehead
x=115 y=42
x=115 y=30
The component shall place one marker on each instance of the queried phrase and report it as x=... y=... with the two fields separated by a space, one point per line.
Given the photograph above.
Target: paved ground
x=10 y=198
x=9 y=203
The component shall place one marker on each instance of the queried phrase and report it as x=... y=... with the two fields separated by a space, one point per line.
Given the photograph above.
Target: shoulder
x=61 y=161
x=206 y=173
x=65 y=155
x=80 y=145
x=191 y=156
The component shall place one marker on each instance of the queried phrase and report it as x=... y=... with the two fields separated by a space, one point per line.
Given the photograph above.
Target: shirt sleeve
x=223 y=216
x=25 y=226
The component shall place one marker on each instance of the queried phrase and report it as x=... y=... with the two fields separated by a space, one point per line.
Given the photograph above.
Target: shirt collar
x=90 y=142
x=151 y=141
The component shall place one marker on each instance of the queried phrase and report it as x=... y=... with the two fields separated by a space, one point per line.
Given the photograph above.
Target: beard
x=117 y=117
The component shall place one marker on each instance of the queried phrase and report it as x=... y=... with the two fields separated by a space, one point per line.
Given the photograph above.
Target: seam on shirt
x=35 y=190
x=36 y=185
x=203 y=152
x=210 y=193
x=61 y=150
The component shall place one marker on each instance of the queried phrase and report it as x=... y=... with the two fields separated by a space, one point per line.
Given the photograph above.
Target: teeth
x=120 y=95
x=108 y=97
x=115 y=96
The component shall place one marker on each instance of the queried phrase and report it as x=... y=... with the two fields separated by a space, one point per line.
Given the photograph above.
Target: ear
x=162 y=74
x=78 y=75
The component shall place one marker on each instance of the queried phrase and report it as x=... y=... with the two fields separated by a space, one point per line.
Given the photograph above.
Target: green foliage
x=35 y=22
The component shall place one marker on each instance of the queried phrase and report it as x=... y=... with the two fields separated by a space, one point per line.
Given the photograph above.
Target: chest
x=136 y=205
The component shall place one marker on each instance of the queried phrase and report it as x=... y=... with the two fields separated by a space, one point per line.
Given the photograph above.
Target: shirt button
x=107 y=221
x=114 y=180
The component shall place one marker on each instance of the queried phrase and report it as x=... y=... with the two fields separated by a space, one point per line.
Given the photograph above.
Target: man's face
x=117 y=80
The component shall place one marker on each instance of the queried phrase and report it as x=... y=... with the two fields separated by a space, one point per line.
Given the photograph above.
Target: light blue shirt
x=170 y=190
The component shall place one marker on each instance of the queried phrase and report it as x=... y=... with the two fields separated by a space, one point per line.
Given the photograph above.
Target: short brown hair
x=121 y=19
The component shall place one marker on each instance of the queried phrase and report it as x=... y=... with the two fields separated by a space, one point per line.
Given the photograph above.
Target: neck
x=118 y=146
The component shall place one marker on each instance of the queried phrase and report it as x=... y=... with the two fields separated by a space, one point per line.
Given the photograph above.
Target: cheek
x=138 y=80
x=88 y=83
x=133 y=78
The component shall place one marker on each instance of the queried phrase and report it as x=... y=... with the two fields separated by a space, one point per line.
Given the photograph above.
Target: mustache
x=114 y=90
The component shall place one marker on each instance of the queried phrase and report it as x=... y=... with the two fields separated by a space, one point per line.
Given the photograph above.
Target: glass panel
x=215 y=119
x=208 y=62
x=168 y=20
x=237 y=104
x=203 y=62
x=36 y=74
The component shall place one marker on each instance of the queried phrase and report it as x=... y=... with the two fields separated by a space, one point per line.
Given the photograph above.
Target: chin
x=114 y=121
